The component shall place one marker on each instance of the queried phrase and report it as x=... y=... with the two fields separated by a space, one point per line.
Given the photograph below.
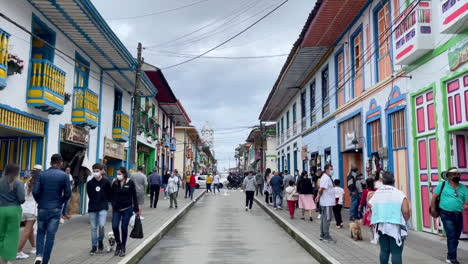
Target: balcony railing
x=304 y=124
x=414 y=35
x=47 y=87
x=294 y=128
x=453 y=16
x=85 y=107
x=121 y=127
x=282 y=138
x=173 y=145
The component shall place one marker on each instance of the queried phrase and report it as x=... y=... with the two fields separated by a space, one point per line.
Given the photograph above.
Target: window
x=398 y=129
x=357 y=63
x=294 y=113
x=312 y=102
x=81 y=72
x=117 y=100
x=382 y=42
x=41 y=50
x=340 y=69
x=325 y=93
x=287 y=120
x=375 y=135
x=282 y=125
x=339 y=64
x=303 y=104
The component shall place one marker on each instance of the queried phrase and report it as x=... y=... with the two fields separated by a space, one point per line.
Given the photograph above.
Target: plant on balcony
x=154 y=137
x=148 y=134
x=15 y=64
x=148 y=107
x=67 y=98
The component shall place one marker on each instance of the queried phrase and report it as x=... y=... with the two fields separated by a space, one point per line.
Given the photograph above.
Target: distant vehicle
x=201 y=181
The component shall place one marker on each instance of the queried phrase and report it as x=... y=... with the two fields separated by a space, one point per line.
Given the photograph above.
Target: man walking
x=259 y=183
x=216 y=182
x=326 y=196
x=453 y=200
x=353 y=209
x=99 y=194
x=188 y=176
x=154 y=182
x=140 y=181
x=51 y=190
x=277 y=185
x=179 y=182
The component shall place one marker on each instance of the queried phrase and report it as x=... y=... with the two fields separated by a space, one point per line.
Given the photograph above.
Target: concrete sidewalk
x=420 y=248
x=73 y=240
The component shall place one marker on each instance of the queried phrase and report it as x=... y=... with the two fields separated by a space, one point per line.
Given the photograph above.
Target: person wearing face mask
x=98 y=190
x=124 y=203
x=353 y=192
x=326 y=196
x=453 y=200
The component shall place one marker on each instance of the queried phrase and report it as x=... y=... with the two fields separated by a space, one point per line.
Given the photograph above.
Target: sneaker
x=117 y=250
x=194 y=200
x=246 y=209
x=453 y=261
x=170 y=207
x=100 y=247
x=374 y=241
x=33 y=251
x=142 y=218
x=275 y=208
x=338 y=227
x=21 y=255
x=329 y=240
x=93 y=251
x=122 y=253
x=62 y=221
x=318 y=217
x=38 y=260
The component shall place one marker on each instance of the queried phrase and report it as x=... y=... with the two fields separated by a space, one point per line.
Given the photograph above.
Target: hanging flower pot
x=15 y=64
x=67 y=98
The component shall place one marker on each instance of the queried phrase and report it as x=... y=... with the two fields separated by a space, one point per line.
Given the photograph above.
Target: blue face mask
x=332 y=173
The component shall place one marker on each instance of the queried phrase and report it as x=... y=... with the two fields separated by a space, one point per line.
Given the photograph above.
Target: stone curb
x=314 y=250
x=139 y=252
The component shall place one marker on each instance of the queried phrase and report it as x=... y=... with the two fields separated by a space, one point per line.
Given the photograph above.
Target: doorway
x=350 y=159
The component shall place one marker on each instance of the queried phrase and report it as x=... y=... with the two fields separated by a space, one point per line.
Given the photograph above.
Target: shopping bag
x=137 y=232
x=131 y=223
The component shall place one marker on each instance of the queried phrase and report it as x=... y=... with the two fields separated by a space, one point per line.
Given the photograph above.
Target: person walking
x=378 y=178
x=353 y=192
x=11 y=197
x=266 y=186
x=179 y=182
x=209 y=181
x=453 y=201
x=216 y=182
x=99 y=195
x=260 y=182
x=124 y=203
x=154 y=181
x=65 y=215
x=292 y=196
x=306 y=197
x=29 y=208
x=277 y=186
x=51 y=190
x=286 y=178
x=339 y=192
x=326 y=196
x=390 y=211
x=366 y=209
x=172 y=188
x=188 y=176
x=192 y=185
x=166 y=176
x=140 y=181
x=249 y=186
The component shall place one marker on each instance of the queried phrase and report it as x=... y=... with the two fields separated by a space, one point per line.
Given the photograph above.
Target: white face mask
x=119 y=177
x=96 y=175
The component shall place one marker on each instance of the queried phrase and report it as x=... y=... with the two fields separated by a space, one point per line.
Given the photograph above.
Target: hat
x=37 y=167
x=451 y=170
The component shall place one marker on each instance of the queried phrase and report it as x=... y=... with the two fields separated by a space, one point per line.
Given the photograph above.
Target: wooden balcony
x=85 y=107
x=47 y=87
x=121 y=127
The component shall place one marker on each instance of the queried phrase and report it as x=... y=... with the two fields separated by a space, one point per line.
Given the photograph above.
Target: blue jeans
x=47 y=225
x=64 y=207
x=280 y=195
x=388 y=246
x=97 y=220
x=354 y=207
x=453 y=226
x=121 y=218
x=192 y=190
x=165 y=189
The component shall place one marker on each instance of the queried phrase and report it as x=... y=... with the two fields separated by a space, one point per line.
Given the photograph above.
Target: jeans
x=453 y=226
x=192 y=190
x=97 y=221
x=165 y=189
x=121 y=218
x=154 y=195
x=388 y=246
x=249 y=196
x=354 y=207
x=259 y=188
x=47 y=226
x=337 y=214
x=208 y=188
x=65 y=208
x=216 y=186
x=325 y=221
x=173 y=198
x=187 y=190
x=280 y=195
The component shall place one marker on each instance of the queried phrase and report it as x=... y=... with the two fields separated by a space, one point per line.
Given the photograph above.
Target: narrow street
x=219 y=230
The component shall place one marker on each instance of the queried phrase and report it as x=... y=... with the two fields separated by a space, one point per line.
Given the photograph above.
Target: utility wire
x=157 y=13
x=183 y=55
x=226 y=41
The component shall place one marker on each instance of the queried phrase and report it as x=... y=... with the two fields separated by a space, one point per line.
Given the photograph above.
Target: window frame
x=312 y=98
x=357 y=33
x=325 y=90
x=380 y=6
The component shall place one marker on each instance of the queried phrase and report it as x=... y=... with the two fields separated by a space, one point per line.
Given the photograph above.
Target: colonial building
x=189 y=143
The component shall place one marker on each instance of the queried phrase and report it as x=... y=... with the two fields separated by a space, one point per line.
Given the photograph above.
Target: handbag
x=137 y=231
x=437 y=202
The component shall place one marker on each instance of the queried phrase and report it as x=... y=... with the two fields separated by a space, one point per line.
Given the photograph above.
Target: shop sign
x=143 y=148
x=76 y=134
x=114 y=149
x=458 y=54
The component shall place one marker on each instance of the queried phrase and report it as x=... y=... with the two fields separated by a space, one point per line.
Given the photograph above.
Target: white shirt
x=30 y=205
x=328 y=195
x=172 y=184
x=216 y=179
x=339 y=194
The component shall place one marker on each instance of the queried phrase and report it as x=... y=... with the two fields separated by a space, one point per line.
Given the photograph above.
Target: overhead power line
x=159 y=12
x=229 y=39
x=184 y=55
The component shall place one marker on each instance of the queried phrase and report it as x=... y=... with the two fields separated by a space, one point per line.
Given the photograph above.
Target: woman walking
x=306 y=197
x=367 y=211
x=11 y=198
x=29 y=216
x=292 y=196
x=266 y=186
x=249 y=188
x=172 y=189
x=124 y=203
x=193 y=185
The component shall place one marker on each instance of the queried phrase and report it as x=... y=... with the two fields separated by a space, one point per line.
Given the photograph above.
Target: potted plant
x=15 y=64
x=67 y=98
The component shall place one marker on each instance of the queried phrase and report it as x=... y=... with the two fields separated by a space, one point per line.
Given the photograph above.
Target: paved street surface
x=219 y=230
x=73 y=240
x=420 y=248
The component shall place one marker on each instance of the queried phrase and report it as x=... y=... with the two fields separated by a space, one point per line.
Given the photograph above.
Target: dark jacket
x=166 y=178
x=52 y=189
x=351 y=182
x=276 y=183
x=99 y=193
x=304 y=186
x=154 y=179
x=123 y=197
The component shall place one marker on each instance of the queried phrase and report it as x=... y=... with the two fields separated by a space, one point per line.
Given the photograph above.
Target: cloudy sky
x=227 y=93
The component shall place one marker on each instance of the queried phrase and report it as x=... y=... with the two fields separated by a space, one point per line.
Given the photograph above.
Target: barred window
x=398 y=129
